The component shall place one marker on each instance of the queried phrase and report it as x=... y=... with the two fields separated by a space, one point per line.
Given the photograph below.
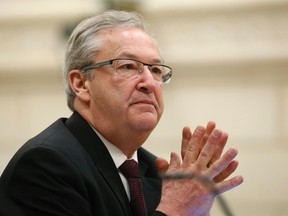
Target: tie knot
x=130 y=169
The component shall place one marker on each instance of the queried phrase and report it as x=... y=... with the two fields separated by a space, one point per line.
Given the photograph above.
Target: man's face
x=125 y=105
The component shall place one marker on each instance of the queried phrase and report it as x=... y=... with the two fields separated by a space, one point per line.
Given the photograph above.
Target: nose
x=146 y=83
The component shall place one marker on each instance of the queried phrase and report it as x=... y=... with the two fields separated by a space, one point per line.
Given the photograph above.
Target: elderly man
x=92 y=163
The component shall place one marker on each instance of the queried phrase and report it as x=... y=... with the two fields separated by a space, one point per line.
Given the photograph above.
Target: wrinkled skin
x=201 y=155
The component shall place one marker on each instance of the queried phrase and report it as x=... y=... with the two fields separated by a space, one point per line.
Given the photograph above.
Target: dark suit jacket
x=8 y=207
x=67 y=170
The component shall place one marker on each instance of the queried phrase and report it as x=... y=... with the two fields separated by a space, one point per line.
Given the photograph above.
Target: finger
x=229 y=184
x=227 y=171
x=209 y=148
x=194 y=146
x=218 y=166
x=175 y=161
x=162 y=165
x=219 y=148
x=186 y=136
x=209 y=128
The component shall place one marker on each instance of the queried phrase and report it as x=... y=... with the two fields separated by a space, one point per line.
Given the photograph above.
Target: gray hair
x=85 y=42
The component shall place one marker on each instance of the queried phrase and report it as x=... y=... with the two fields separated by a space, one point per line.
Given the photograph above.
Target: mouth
x=145 y=103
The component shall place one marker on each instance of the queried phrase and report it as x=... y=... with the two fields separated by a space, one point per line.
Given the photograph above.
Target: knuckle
x=191 y=148
x=204 y=154
x=214 y=168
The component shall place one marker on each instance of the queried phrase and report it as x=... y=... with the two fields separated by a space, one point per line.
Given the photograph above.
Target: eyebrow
x=132 y=56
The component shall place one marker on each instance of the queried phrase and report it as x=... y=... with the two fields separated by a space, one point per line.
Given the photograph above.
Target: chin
x=147 y=127
x=146 y=124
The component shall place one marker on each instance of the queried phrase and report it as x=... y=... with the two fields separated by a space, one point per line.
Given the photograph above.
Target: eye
x=126 y=65
x=156 y=70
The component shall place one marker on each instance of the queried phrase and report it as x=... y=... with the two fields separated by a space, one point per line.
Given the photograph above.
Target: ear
x=78 y=84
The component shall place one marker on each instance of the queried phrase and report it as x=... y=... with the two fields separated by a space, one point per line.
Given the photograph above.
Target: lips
x=144 y=102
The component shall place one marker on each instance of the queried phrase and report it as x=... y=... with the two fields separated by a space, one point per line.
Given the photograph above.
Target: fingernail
x=232 y=151
x=216 y=133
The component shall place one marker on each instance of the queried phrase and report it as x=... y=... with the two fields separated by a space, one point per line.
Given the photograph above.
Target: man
x=114 y=75
x=7 y=207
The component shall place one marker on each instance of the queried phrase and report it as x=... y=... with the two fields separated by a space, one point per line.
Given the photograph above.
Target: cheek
x=122 y=89
x=99 y=94
x=160 y=100
x=161 y=110
x=109 y=95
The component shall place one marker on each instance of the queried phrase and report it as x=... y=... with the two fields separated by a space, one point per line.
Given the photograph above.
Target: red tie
x=131 y=172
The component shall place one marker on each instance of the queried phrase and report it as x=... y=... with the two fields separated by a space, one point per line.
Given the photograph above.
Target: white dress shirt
x=118 y=158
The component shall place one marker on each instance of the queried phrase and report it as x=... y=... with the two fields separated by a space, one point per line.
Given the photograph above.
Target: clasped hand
x=206 y=170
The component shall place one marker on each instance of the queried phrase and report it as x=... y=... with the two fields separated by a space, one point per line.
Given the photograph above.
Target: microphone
x=204 y=180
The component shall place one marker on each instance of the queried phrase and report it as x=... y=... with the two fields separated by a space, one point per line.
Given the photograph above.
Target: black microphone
x=206 y=181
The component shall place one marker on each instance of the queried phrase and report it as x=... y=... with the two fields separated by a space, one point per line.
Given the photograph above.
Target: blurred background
x=230 y=61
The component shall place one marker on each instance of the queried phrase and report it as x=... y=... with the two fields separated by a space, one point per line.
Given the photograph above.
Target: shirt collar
x=117 y=155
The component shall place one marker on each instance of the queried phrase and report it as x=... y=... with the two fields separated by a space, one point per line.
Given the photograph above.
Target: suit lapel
x=152 y=183
x=100 y=156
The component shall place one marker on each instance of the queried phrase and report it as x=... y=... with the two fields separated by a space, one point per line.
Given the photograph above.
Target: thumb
x=162 y=165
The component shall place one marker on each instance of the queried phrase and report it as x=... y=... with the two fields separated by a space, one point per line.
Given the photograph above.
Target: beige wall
x=230 y=64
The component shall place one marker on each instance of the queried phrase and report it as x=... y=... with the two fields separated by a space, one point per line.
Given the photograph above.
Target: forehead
x=129 y=42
